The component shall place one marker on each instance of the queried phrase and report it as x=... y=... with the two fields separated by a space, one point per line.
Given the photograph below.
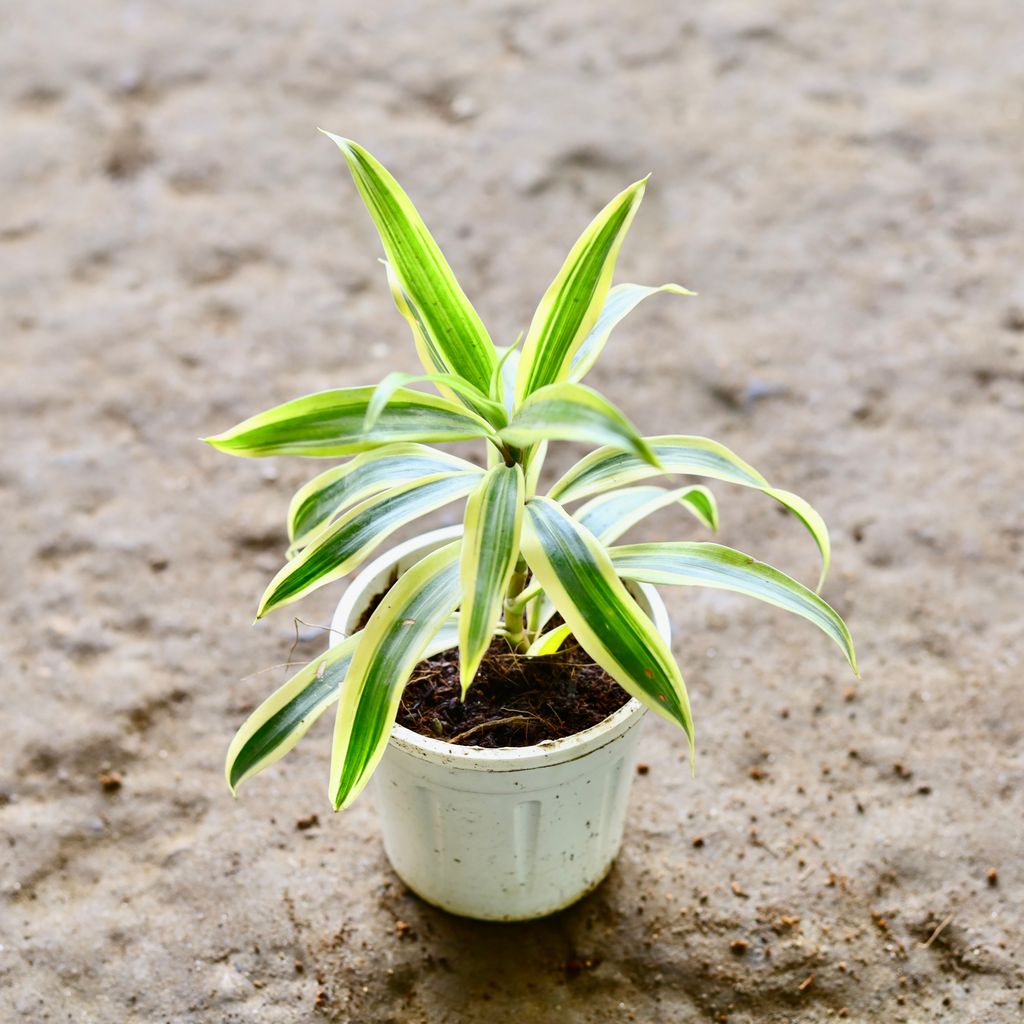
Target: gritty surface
x=841 y=183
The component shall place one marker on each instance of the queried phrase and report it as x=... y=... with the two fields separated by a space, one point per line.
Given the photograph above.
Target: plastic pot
x=500 y=834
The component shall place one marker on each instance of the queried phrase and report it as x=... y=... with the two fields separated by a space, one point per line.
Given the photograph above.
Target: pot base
x=509 y=918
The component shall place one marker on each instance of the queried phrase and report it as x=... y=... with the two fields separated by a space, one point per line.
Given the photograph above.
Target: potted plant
x=499 y=832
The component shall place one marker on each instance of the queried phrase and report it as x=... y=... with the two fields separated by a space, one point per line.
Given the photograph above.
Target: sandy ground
x=843 y=185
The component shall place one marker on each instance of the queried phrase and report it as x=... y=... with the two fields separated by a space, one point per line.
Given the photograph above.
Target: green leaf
x=432 y=355
x=574 y=412
x=609 y=516
x=713 y=565
x=503 y=380
x=490 y=546
x=549 y=643
x=607 y=469
x=812 y=520
x=331 y=493
x=457 y=337
x=572 y=304
x=393 y=641
x=621 y=301
x=286 y=715
x=534 y=464
x=359 y=532
x=493 y=412
x=577 y=574
x=330 y=423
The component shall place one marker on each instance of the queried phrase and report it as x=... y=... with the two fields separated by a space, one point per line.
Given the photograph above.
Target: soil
x=514 y=701
x=842 y=185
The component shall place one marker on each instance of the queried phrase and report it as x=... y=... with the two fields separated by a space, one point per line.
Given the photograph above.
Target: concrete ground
x=842 y=183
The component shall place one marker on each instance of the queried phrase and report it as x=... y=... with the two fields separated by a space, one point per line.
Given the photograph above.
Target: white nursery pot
x=509 y=833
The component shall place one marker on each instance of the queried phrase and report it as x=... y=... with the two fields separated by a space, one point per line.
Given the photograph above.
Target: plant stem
x=515 y=619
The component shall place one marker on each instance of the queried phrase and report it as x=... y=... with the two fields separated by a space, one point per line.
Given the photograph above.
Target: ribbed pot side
x=500 y=834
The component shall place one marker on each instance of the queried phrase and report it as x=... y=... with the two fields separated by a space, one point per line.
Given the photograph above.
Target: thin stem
x=515 y=624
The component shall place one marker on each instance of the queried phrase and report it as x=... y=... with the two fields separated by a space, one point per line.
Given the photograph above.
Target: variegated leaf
x=607 y=469
x=610 y=515
x=326 y=496
x=490 y=545
x=574 y=412
x=287 y=714
x=359 y=532
x=576 y=572
x=393 y=641
x=330 y=423
x=573 y=302
x=549 y=643
x=700 y=564
x=493 y=412
x=457 y=336
x=621 y=301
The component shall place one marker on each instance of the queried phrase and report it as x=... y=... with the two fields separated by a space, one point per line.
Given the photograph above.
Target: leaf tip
x=467 y=673
x=229 y=778
x=339 y=140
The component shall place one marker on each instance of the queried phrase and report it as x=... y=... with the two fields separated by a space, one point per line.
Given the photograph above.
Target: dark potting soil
x=514 y=701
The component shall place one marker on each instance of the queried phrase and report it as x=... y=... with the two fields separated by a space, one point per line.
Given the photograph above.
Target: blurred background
x=841 y=183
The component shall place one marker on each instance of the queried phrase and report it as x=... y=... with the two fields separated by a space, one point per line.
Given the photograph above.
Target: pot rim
x=492 y=759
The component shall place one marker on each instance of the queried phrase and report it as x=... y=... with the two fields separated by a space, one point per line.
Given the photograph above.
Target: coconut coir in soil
x=513 y=702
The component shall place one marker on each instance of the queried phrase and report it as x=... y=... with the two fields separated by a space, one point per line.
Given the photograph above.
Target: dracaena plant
x=523 y=556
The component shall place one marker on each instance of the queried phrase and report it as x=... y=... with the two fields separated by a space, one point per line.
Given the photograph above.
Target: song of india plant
x=523 y=556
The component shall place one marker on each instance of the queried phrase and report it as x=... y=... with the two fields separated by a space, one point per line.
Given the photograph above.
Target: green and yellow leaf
x=490 y=546
x=330 y=423
x=576 y=572
x=458 y=341
x=574 y=412
x=491 y=411
x=393 y=641
x=610 y=515
x=713 y=565
x=621 y=301
x=432 y=356
x=608 y=468
x=534 y=465
x=287 y=714
x=572 y=304
x=503 y=379
x=326 y=496
x=355 y=535
x=550 y=642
